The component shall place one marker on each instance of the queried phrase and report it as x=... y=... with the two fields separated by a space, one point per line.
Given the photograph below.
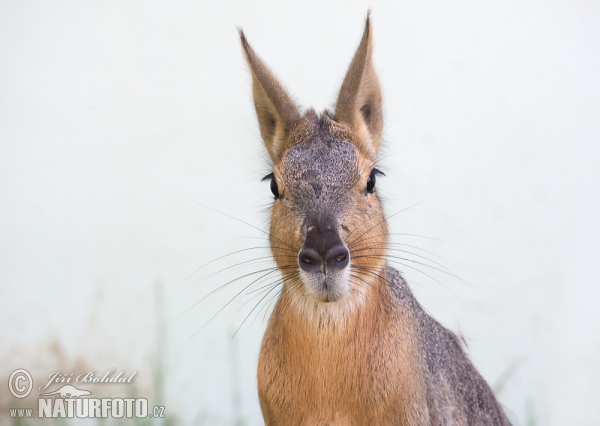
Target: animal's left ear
x=359 y=101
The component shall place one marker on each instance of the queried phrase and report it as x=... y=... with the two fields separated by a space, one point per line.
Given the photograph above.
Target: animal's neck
x=362 y=311
x=359 y=360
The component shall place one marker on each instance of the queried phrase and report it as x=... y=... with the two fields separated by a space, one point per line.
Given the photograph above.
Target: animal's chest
x=353 y=376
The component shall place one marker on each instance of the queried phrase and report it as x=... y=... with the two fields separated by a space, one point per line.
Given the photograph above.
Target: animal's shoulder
x=399 y=288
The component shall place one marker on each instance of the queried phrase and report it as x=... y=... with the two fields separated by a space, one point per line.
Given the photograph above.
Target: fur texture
x=347 y=345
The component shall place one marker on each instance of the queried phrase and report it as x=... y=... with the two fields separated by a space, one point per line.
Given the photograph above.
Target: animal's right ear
x=275 y=109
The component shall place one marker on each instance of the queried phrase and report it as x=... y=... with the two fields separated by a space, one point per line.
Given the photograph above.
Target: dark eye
x=274 y=188
x=371 y=181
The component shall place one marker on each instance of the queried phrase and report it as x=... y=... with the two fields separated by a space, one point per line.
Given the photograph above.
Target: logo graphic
x=72 y=402
x=16 y=386
x=68 y=391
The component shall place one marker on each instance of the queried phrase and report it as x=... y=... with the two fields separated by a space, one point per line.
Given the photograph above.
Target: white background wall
x=117 y=118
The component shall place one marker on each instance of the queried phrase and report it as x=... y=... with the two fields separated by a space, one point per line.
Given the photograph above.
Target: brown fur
x=372 y=356
x=318 y=386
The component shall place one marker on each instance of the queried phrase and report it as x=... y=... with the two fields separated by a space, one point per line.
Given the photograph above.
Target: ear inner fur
x=275 y=109
x=359 y=101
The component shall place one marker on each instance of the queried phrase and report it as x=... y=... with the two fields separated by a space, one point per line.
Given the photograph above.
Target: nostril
x=309 y=259
x=337 y=257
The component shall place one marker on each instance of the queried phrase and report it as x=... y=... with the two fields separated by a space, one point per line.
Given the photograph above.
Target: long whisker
x=399 y=250
x=289 y=285
x=223 y=257
x=227 y=304
x=388 y=256
x=263 y=298
x=382 y=221
x=268 y=270
x=245 y=262
x=424 y=273
x=392 y=244
x=404 y=234
x=242 y=221
x=406 y=294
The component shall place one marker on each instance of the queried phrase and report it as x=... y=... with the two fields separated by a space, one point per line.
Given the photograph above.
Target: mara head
x=328 y=233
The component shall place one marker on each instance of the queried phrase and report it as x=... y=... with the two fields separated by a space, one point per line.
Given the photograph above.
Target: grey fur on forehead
x=324 y=162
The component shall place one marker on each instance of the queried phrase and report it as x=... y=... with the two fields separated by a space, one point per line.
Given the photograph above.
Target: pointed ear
x=359 y=101
x=275 y=109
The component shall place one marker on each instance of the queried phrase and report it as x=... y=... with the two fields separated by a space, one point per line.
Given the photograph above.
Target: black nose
x=323 y=246
x=335 y=258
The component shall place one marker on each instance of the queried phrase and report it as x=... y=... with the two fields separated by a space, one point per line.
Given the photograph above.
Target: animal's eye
x=274 y=188
x=371 y=181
